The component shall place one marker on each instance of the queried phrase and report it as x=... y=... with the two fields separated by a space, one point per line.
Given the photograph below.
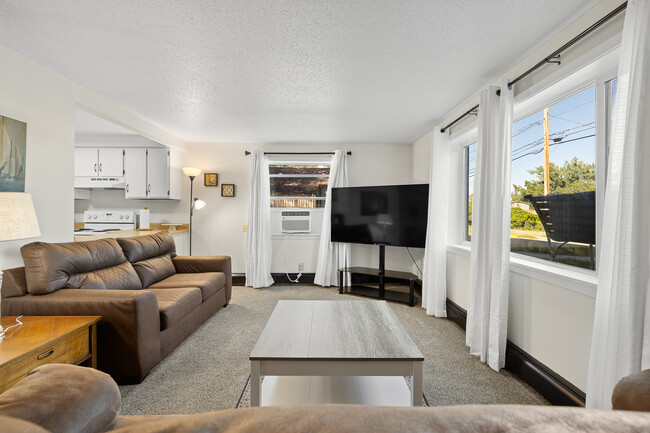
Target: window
x=553 y=201
x=470 y=164
x=298 y=184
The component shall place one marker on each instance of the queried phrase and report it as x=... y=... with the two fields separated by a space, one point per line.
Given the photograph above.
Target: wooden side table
x=46 y=340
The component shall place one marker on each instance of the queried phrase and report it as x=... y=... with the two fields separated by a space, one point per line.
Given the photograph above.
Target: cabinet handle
x=127 y=187
x=95 y=168
x=45 y=354
x=148 y=188
x=100 y=166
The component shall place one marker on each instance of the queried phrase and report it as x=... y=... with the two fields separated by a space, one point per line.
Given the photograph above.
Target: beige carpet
x=209 y=370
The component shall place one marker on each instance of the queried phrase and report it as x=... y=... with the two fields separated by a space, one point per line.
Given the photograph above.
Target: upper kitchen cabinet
x=152 y=173
x=98 y=162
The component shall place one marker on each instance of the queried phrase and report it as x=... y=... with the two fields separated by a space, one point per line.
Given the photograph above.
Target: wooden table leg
x=256 y=384
x=416 y=389
x=93 y=345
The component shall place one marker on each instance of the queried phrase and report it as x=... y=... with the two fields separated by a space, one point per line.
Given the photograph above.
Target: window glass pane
x=298 y=202
x=299 y=185
x=553 y=200
x=298 y=169
x=470 y=163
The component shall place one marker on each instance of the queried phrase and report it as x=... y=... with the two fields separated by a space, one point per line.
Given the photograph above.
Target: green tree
x=573 y=176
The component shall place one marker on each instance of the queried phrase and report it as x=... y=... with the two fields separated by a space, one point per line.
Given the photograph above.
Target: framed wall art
x=227 y=190
x=210 y=179
x=13 y=144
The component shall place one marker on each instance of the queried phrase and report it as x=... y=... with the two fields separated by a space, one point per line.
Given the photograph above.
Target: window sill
x=295 y=236
x=577 y=280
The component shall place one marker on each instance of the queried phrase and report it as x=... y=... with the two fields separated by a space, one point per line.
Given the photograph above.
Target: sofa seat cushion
x=209 y=282
x=98 y=264
x=175 y=304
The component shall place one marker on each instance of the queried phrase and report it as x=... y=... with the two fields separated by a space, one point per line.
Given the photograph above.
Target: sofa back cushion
x=96 y=264
x=151 y=256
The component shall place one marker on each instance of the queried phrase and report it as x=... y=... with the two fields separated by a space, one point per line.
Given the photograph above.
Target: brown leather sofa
x=65 y=398
x=150 y=299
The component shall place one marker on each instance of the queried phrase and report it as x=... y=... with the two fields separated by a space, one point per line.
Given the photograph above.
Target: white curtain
x=487 y=312
x=434 y=273
x=332 y=255
x=621 y=337
x=258 y=241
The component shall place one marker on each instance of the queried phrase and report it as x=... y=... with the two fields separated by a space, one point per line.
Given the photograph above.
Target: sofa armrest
x=191 y=264
x=128 y=335
x=63 y=398
x=633 y=392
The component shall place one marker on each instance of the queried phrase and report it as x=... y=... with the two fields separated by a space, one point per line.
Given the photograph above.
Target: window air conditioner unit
x=296 y=221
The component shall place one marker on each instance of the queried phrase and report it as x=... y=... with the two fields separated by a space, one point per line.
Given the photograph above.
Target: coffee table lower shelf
x=364 y=390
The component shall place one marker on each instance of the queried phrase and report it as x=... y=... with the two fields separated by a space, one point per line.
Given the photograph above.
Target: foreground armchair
x=63 y=398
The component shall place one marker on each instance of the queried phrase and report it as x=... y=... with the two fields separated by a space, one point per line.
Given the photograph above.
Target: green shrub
x=522 y=220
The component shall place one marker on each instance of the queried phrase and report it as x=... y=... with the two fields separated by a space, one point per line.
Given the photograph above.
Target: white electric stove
x=97 y=222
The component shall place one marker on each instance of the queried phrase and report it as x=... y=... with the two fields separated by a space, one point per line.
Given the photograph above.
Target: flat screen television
x=394 y=215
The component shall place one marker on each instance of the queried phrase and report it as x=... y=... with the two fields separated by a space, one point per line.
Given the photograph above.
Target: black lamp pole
x=191 y=209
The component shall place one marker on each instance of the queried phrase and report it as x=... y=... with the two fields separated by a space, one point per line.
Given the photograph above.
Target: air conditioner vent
x=296 y=222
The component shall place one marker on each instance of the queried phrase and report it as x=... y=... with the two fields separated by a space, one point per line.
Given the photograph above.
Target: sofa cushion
x=209 y=282
x=154 y=269
x=99 y=264
x=145 y=247
x=175 y=304
x=63 y=398
x=151 y=256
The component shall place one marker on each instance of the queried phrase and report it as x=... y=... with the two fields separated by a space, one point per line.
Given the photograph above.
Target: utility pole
x=547 y=178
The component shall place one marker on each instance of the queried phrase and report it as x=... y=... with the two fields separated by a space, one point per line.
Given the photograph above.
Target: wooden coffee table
x=329 y=340
x=45 y=340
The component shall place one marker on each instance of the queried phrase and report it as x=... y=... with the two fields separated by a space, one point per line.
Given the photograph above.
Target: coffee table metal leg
x=256 y=384
x=416 y=390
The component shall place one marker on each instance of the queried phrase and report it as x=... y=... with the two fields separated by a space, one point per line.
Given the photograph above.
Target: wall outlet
x=244 y=228
x=301 y=267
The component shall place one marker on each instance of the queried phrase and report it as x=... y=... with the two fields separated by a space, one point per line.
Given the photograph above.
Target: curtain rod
x=551 y=58
x=246 y=152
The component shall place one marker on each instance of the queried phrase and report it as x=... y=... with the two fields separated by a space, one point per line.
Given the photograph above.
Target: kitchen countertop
x=155 y=228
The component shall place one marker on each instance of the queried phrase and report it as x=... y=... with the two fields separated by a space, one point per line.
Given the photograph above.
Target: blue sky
x=572 y=130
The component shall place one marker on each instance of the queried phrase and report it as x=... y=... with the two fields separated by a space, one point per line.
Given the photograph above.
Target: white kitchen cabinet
x=98 y=162
x=111 y=161
x=151 y=173
x=182 y=241
x=158 y=173
x=135 y=173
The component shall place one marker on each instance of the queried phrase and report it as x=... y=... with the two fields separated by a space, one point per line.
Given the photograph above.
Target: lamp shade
x=17 y=216
x=192 y=171
x=198 y=204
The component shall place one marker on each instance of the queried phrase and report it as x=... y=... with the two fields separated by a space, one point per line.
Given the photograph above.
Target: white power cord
x=3 y=332
x=285 y=266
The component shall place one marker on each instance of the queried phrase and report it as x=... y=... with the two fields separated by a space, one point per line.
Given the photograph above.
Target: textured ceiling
x=295 y=71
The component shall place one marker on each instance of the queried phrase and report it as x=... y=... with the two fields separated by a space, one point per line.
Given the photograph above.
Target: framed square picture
x=210 y=179
x=227 y=190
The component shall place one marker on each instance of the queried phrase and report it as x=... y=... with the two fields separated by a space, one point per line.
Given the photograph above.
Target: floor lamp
x=195 y=203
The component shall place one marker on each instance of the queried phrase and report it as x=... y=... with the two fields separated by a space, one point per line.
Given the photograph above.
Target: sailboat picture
x=13 y=141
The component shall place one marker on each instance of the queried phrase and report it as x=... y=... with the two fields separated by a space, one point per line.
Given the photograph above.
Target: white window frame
x=545 y=93
x=317 y=212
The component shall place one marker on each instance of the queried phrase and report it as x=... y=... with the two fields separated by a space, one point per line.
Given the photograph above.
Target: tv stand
x=375 y=279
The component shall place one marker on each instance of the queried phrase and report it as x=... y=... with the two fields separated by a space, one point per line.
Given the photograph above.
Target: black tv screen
x=393 y=215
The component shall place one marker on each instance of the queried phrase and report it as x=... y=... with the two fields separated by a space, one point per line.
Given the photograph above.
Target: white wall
x=46 y=102
x=218 y=227
x=550 y=322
